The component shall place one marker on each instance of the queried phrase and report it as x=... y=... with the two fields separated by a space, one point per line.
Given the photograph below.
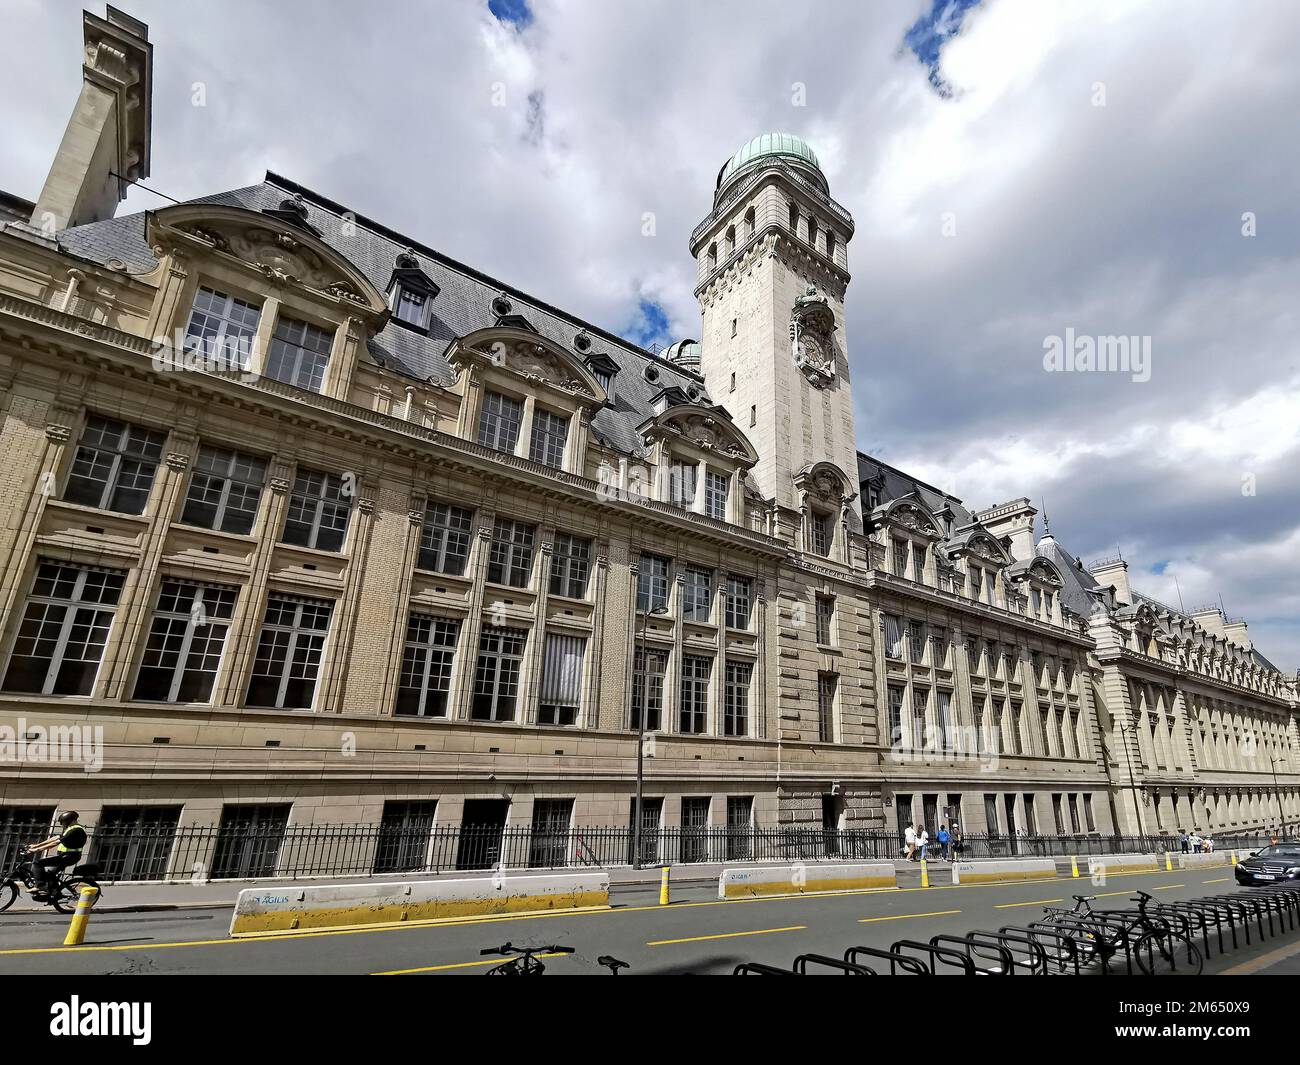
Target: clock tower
x=772 y=270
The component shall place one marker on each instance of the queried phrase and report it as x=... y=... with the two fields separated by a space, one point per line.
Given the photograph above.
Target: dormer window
x=604 y=369
x=411 y=292
x=410 y=307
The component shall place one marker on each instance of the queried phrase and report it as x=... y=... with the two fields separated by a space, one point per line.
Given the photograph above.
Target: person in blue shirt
x=942 y=838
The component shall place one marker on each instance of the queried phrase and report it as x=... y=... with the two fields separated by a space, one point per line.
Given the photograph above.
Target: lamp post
x=1281 y=812
x=1137 y=806
x=640 y=727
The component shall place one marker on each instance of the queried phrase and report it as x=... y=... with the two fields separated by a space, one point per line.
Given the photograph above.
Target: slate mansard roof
x=464 y=302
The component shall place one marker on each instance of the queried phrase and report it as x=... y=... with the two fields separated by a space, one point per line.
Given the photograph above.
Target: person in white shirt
x=909 y=841
x=1194 y=841
x=924 y=840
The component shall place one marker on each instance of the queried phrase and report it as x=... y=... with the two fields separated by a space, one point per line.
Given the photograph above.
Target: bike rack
x=1063 y=942
x=977 y=952
x=1201 y=917
x=845 y=968
x=910 y=966
x=1026 y=952
x=957 y=959
x=757 y=968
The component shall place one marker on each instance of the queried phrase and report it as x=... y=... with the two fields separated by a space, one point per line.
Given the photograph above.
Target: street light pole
x=640 y=728
x=1137 y=806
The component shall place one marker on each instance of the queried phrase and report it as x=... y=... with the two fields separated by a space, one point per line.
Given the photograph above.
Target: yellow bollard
x=1074 y=866
x=925 y=874
x=1234 y=857
x=77 y=930
x=663 y=888
x=1169 y=861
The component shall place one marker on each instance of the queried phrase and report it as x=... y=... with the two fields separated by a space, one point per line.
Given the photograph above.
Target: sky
x=1018 y=171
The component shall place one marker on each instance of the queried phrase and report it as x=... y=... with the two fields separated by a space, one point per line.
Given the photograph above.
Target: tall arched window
x=812 y=231
x=749 y=223
x=830 y=245
x=712 y=259
x=731 y=241
x=794 y=219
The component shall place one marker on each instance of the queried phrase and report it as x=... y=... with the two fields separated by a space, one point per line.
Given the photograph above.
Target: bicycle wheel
x=1167 y=954
x=8 y=892
x=70 y=894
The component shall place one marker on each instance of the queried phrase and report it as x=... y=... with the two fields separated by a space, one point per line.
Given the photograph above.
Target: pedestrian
x=942 y=837
x=1182 y=841
x=909 y=843
x=956 y=842
x=923 y=839
x=1194 y=840
x=1209 y=844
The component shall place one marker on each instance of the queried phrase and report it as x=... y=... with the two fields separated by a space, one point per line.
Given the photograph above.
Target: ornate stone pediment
x=529 y=356
x=707 y=428
x=826 y=483
x=812 y=337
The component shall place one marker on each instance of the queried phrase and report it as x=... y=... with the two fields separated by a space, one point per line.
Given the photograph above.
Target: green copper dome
x=768 y=145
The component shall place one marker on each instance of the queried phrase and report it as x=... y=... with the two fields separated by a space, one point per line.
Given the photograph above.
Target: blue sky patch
x=650 y=326
x=932 y=31
x=516 y=12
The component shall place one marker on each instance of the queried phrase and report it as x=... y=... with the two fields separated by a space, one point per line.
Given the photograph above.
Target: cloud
x=1095 y=159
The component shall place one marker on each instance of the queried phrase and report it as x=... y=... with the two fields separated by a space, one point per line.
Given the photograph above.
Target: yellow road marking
x=905 y=916
x=1013 y=905
x=457 y=965
x=454 y=922
x=1168 y=887
x=1281 y=954
x=726 y=935
x=1221 y=880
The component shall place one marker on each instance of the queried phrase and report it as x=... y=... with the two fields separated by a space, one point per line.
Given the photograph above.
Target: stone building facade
x=313 y=524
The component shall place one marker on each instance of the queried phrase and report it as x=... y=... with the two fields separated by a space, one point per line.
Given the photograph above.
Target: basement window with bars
x=426 y=666
x=64 y=630
x=562 y=659
x=186 y=640
x=225 y=490
x=300 y=354
x=319 y=508
x=496 y=675
x=115 y=466
x=289 y=652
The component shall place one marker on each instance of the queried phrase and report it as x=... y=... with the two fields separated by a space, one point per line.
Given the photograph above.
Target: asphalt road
x=696 y=934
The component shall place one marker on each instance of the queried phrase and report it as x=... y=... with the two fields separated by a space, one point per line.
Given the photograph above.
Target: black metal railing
x=156 y=853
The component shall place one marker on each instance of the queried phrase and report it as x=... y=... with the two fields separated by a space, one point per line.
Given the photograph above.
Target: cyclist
x=68 y=845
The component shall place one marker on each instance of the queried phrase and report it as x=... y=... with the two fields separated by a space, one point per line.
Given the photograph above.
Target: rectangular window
x=652 y=583
x=823 y=534
x=920 y=703
x=511 y=560
x=916 y=641
x=899 y=557
x=893 y=626
x=944 y=713
x=221 y=330
x=715 y=495
x=299 y=354
x=499 y=421
x=319 y=507
x=648 y=671
x=895 y=715
x=919 y=553
x=695 y=694
x=740 y=827
x=825 y=620
x=570 y=566
x=426 y=666
x=186 y=639
x=826 y=686
x=991 y=814
x=114 y=466
x=289 y=652
x=64 y=629
x=976 y=581
x=740 y=599
x=403 y=841
x=410 y=306
x=735 y=719
x=496 y=676
x=548 y=842
x=549 y=434
x=248 y=841
x=974 y=661
x=562 y=661
x=1058 y=814
x=1031 y=815
x=445 y=538
x=224 y=492
x=681 y=484
x=1036 y=601
x=983 y=738
x=938 y=646
x=697 y=594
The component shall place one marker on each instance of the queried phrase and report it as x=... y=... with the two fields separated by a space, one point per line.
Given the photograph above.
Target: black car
x=1278 y=862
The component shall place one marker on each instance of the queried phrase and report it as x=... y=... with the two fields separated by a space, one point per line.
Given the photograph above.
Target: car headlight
x=1293 y=870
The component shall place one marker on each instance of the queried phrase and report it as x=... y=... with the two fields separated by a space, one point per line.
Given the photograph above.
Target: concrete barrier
x=1125 y=863
x=263 y=910
x=994 y=871
x=804 y=879
x=1193 y=860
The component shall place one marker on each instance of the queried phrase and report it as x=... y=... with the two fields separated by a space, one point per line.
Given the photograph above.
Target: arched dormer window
x=700 y=456
x=826 y=496
x=909 y=533
x=525 y=396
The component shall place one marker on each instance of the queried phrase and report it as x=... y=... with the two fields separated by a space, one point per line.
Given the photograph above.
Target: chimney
x=1015 y=520
x=1211 y=619
x=1114 y=572
x=109 y=130
x=1235 y=630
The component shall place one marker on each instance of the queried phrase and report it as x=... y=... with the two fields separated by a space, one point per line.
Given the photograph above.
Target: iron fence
x=165 y=852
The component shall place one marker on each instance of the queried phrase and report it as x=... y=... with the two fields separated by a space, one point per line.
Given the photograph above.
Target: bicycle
x=1156 y=948
x=525 y=960
x=66 y=891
